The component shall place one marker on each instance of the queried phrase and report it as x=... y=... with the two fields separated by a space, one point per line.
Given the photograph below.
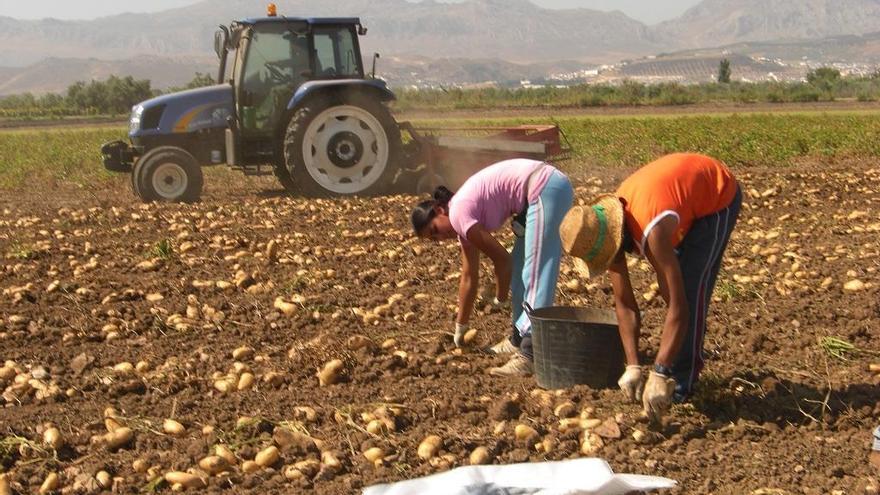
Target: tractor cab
x=288 y=71
x=273 y=56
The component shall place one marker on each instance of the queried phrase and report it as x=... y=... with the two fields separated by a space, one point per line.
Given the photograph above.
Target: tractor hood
x=183 y=112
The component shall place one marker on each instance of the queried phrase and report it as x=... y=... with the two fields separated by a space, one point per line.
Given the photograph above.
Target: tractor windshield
x=275 y=64
x=336 y=53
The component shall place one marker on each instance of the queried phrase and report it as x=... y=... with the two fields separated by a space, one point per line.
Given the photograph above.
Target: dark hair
x=424 y=212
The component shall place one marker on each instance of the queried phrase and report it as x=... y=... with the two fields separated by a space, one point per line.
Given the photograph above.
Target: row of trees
x=116 y=95
x=113 y=96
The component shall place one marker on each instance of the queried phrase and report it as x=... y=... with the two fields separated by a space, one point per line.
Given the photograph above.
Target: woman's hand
x=501 y=259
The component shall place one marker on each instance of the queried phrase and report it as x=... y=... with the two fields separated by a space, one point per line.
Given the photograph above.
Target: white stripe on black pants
x=699 y=256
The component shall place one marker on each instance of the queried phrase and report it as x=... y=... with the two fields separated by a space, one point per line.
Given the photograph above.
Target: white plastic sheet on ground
x=574 y=477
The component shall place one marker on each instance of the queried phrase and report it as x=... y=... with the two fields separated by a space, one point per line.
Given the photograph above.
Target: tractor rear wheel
x=349 y=147
x=168 y=174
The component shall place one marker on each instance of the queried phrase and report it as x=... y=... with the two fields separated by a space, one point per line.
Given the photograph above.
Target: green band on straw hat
x=603 y=230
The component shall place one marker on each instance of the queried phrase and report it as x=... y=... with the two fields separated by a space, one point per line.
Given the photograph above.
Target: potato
x=118 y=438
x=173 y=428
x=374 y=455
x=245 y=381
x=565 y=410
x=589 y=424
x=268 y=457
x=52 y=437
x=186 y=480
x=470 y=336
x=225 y=385
x=309 y=467
x=124 y=368
x=329 y=460
x=480 y=456
x=214 y=464
x=140 y=466
x=855 y=285
x=5 y=489
x=292 y=474
x=331 y=373
x=377 y=427
x=243 y=353
x=524 y=433
x=226 y=454
x=429 y=447
x=305 y=413
x=591 y=444
x=104 y=479
x=249 y=467
x=286 y=308
x=50 y=484
x=638 y=436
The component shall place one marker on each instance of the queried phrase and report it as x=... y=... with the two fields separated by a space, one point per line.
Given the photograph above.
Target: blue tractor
x=298 y=105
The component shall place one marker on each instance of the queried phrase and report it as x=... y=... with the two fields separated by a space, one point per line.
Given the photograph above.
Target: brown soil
x=775 y=411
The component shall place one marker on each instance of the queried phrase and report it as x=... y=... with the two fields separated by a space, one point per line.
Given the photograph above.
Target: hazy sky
x=648 y=11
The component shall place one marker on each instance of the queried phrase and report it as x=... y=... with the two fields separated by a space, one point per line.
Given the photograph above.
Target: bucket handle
x=528 y=309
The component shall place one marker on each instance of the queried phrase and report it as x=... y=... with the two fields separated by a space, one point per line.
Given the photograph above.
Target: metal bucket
x=573 y=345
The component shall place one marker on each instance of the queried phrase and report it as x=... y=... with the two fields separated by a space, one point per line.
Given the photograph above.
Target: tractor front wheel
x=168 y=174
x=343 y=148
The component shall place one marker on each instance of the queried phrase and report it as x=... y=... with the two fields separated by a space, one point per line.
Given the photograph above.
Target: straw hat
x=593 y=234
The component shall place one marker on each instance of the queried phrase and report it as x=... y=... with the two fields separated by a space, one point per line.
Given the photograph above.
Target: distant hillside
x=703 y=67
x=724 y=22
x=55 y=75
x=514 y=30
x=430 y=43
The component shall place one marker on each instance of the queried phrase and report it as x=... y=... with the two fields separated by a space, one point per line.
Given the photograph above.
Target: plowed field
x=116 y=316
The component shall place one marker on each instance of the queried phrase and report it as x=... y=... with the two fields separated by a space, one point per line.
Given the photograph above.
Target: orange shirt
x=685 y=185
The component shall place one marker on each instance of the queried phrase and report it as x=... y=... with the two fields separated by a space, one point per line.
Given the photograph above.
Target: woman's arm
x=468 y=283
x=662 y=256
x=501 y=259
x=628 y=317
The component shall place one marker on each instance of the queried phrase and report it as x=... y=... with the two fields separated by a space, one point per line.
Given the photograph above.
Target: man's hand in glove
x=658 y=395
x=460 y=330
x=631 y=382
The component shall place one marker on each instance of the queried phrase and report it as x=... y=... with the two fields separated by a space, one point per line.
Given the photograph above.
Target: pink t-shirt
x=496 y=193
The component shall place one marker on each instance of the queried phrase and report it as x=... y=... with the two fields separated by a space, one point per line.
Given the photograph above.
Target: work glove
x=657 y=396
x=460 y=330
x=631 y=382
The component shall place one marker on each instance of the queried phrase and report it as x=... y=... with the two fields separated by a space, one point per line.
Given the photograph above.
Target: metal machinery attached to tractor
x=298 y=105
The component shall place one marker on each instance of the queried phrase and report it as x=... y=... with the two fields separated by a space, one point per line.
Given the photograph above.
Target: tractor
x=298 y=105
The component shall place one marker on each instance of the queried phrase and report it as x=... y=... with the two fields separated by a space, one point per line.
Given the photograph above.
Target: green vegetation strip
x=740 y=139
x=72 y=155
x=46 y=156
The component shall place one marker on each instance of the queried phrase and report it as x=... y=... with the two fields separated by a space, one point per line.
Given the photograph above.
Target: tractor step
x=255 y=170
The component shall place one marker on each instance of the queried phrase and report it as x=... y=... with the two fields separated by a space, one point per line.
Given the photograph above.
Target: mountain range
x=515 y=31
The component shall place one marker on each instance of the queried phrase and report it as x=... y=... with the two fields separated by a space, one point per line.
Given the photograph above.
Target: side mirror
x=221 y=40
x=373 y=74
x=362 y=31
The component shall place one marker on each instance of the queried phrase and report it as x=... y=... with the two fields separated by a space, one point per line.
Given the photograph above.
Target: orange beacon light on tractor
x=271 y=10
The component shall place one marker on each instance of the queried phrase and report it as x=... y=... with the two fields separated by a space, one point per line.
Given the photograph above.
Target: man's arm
x=501 y=259
x=661 y=254
x=468 y=283
x=628 y=316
